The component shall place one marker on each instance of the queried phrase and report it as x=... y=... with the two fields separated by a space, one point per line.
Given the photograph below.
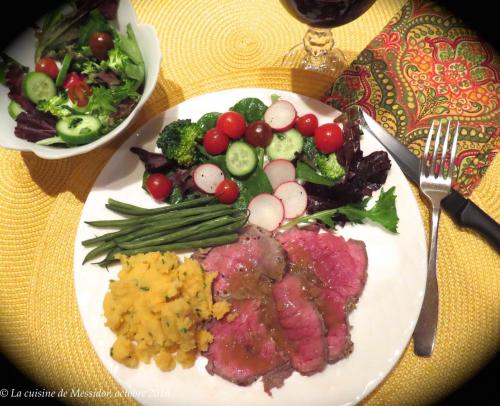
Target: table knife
x=463 y=211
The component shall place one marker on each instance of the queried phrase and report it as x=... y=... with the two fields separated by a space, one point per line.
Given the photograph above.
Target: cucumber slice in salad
x=38 y=86
x=78 y=129
x=240 y=159
x=14 y=109
x=50 y=141
x=285 y=145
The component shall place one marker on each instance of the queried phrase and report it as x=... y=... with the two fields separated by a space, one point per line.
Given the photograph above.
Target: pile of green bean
x=196 y=223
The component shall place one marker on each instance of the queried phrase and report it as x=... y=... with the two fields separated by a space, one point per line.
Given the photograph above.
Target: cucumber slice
x=64 y=70
x=285 y=145
x=78 y=129
x=50 y=141
x=38 y=86
x=14 y=109
x=240 y=159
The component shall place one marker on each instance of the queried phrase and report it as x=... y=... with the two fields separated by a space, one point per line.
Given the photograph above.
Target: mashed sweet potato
x=157 y=308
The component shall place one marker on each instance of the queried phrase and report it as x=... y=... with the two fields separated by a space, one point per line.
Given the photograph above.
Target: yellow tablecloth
x=209 y=46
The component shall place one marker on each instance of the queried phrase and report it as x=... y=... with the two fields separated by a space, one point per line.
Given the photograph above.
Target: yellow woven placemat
x=211 y=46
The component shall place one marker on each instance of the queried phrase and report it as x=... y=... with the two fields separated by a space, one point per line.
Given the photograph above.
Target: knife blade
x=463 y=211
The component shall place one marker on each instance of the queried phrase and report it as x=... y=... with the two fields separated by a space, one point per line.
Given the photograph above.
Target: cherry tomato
x=259 y=134
x=159 y=186
x=227 y=191
x=71 y=79
x=79 y=93
x=328 y=138
x=307 y=124
x=215 y=142
x=47 y=66
x=100 y=43
x=232 y=124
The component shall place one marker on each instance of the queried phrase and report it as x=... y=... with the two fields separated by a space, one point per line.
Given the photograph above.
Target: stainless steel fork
x=435 y=184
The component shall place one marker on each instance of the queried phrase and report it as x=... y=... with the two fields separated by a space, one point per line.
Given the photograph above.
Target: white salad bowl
x=23 y=50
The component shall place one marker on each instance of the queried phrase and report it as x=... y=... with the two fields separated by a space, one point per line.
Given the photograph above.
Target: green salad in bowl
x=93 y=69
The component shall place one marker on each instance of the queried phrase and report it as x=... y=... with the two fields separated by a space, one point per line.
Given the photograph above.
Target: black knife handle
x=467 y=214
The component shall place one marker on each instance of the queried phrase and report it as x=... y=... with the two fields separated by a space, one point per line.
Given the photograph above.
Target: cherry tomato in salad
x=47 y=66
x=259 y=134
x=328 y=138
x=79 y=93
x=215 y=142
x=232 y=124
x=159 y=186
x=100 y=43
x=307 y=124
x=227 y=191
x=71 y=79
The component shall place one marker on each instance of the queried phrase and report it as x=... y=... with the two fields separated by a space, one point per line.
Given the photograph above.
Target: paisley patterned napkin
x=426 y=65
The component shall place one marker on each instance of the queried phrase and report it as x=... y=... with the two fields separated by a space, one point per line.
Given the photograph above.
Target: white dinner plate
x=382 y=323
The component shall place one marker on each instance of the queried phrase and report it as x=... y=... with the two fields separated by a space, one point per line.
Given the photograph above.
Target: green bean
x=110 y=258
x=216 y=232
x=171 y=224
x=110 y=236
x=99 y=250
x=158 y=217
x=180 y=234
x=125 y=208
x=175 y=223
x=210 y=242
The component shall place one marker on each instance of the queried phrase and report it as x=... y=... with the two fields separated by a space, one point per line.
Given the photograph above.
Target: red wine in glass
x=317 y=52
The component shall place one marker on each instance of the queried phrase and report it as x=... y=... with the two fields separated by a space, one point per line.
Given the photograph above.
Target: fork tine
x=435 y=152
x=423 y=162
x=444 y=151
x=453 y=151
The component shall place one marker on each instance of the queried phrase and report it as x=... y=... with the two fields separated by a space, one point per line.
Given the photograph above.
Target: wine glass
x=317 y=52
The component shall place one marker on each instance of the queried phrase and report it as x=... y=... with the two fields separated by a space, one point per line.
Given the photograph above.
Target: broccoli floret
x=326 y=165
x=329 y=167
x=179 y=140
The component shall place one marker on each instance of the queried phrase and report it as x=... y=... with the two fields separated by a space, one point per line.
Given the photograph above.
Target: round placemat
x=209 y=46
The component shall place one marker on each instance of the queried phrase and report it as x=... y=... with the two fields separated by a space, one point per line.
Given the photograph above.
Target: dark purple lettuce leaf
x=109 y=8
x=107 y=78
x=364 y=175
x=153 y=162
x=35 y=126
x=368 y=176
x=183 y=179
x=14 y=77
x=123 y=109
x=23 y=102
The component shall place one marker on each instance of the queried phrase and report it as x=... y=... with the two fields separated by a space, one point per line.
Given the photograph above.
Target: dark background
x=479 y=14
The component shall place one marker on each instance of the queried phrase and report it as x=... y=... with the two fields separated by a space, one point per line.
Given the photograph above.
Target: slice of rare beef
x=335 y=270
x=247 y=267
x=301 y=325
x=243 y=349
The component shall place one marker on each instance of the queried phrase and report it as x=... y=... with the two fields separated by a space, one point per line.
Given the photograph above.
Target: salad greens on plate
x=88 y=76
x=285 y=170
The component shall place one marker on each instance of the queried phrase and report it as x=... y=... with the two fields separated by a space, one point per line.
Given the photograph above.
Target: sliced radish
x=294 y=199
x=207 y=177
x=281 y=115
x=279 y=171
x=266 y=211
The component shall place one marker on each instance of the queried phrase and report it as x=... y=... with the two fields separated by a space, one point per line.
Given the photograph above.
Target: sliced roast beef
x=301 y=325
x=243 y=349
x=248 y=267
x=335 y=271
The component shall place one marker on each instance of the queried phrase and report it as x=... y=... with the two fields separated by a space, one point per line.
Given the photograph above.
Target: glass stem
x=318 y=43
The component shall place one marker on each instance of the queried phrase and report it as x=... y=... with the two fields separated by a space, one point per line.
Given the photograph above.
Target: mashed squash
x=157 y=308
